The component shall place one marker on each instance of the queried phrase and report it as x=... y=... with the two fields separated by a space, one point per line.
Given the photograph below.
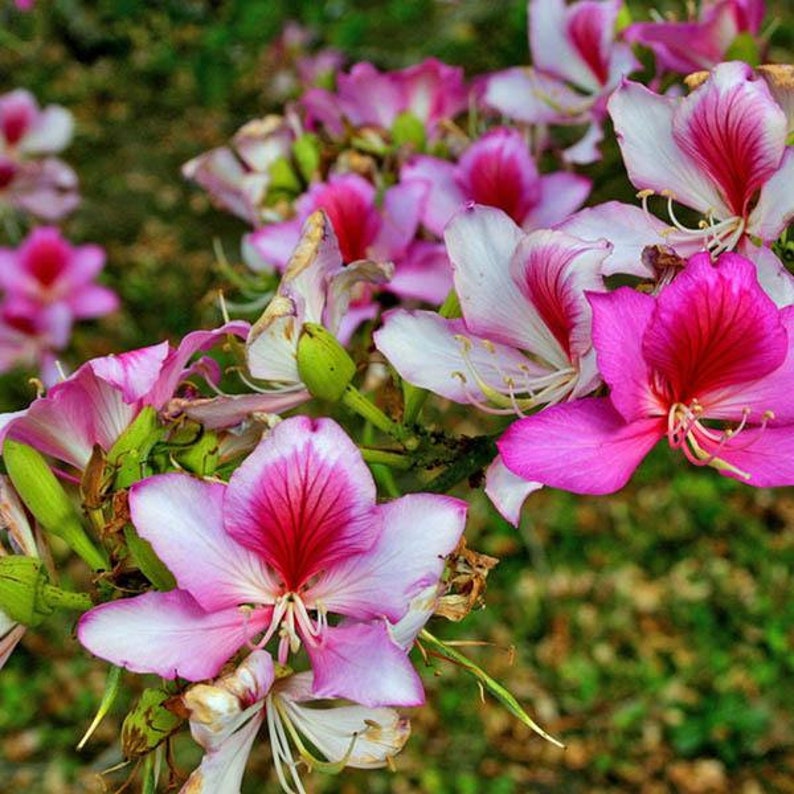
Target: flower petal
x=361 y=662
x=584 y=446
x=712 y=328
x=419 y=531
x=507 y=491
x=177 y=513
x=168 y=634
x=303 y=499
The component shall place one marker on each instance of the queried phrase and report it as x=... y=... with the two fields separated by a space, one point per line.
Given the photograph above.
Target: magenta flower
x=365 y=228
x=295 y=538
x=431 y=91
x=706 y=364
x=688 y=46
x=497 y=170
x=46 y=271
x=721 y=151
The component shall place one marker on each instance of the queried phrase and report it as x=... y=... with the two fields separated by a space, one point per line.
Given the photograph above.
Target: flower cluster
x=276 y=568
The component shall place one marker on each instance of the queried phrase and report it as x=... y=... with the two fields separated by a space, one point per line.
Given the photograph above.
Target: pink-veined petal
x=419 y=531
x=453 y=362
x=714 y=327
x=735 y=132
x=361 y=662
x=177 y=513
x=773 y=276
x=775 y=208
x=584 y=446
x=653 y=158
x=303 y=499
x=168 y=634
x=135 y=373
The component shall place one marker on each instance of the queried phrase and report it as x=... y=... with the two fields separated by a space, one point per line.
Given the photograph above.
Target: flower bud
x=149 y=723
x=21 y=580
x=324 y=365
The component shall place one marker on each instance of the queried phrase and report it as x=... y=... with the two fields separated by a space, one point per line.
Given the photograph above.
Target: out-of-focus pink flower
x=294 y=538
x=702 y=43
x=707 y=364
x=31 y=178
x=576 y=63
x=24 y=5
x=432 y=91
x=365 y=229
x=498 y=171
x=237 y=177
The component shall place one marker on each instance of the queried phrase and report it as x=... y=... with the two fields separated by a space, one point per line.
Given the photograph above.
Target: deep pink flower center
x=495 y=180
x=46 y=260
x=15 y=123
x=7 y=173
x=355 y=222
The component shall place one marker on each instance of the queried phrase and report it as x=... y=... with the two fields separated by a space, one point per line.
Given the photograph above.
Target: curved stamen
x=282 y=754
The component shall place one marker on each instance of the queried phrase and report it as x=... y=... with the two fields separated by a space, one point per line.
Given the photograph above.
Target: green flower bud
x=408 y=129
x=149 y=724
x=21 y=582
x=324 y=365
x=44 y=496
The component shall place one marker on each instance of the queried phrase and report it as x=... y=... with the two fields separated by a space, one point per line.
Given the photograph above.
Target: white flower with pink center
x=294 y=540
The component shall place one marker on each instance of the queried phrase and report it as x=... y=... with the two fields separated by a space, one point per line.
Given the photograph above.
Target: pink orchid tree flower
x=226 y=715
x=431 y=91
x=30 y=339
x=16 y=531
x=576 y=64
x=46 y=272
x=707 y=364
x=26 y=129
x=366 y=228
x=720 y=151
x=97 y=403
x=524 y=338
x=702 y=43
x=497 y=170
x=46 y=188
x=295 y=538
x=318 y=288
x=237 y=177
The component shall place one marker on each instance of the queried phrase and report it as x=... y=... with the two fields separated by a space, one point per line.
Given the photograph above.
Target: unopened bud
x=149 y=724
x=324 y=365
x=21 y=583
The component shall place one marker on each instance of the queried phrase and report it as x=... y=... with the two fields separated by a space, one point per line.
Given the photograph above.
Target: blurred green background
x=653 y=632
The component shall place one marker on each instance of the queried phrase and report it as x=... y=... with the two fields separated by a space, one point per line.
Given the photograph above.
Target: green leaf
x=492 y=686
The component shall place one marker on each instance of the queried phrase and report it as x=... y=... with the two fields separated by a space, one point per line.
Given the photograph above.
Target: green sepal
x=324 y=366
x=306 y=151
x=202 y=456
x=131 y=450
x=152 y=567
x=744 y=48
x=494 y=687
x=46 y=499
x=409 y=130
x=148 y=724
x=21 y=581
x=283 y=177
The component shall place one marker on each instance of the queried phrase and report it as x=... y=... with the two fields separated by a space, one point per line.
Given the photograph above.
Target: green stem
x=395 y=460
x=66 y=599
x=479 y=453
x=353 y=399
